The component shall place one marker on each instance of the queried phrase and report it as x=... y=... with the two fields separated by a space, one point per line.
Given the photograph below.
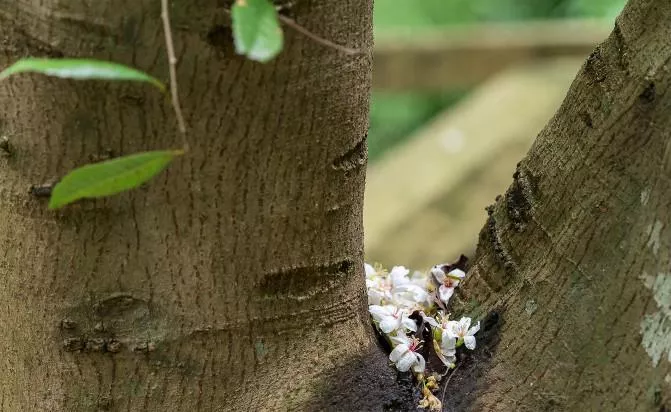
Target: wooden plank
x=425 y=199
x=463 y=56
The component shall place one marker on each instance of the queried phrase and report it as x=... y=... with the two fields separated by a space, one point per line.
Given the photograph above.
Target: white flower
x=445 y=345
x=398 y=274
x=447 y=349
x=428 y=319
x=378 y=284
x=391 y=318
x=405 y=354
x=370 y=270
x=379 y=293
x=461 y=330
x=447 y=281
x=396 y=288
x=410 y=296
x=421 y=279
x=373 y=277
x=407 y=292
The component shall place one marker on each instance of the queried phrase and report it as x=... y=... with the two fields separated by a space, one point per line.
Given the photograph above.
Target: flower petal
x=445 y=293
x=438 y=273
x=420 y=364
x=448 y=345
x=400 y=339
x=464 y=324
x=469 y=342
x=370 y=270
x=399 y=271
x=398 y=351
x=409 y=324
x=418 y=294
x=377 y=311
x=402 y=301
x=389 y=324
x=449 y=360
x=472 y=331
x=398 y=275
x=374 y=297
x=452 y=329
x=428 y=319
x=406 y=361
x=419 y=278
x=457 y=274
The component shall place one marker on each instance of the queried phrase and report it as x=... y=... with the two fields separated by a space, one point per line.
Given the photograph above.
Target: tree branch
x=172 y=59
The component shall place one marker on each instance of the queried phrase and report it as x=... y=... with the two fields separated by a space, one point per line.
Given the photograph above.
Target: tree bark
x=231 y=282
x=573 y=269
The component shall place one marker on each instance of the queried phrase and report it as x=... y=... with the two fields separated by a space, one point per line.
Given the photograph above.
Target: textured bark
x=575 y=259
x=232 y=281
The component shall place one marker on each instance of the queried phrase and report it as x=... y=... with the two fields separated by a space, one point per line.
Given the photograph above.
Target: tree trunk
x=231 y=282
x=573 y=269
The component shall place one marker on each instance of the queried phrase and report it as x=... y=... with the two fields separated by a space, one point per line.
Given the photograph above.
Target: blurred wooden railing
x=460 y=57
x=425 y=199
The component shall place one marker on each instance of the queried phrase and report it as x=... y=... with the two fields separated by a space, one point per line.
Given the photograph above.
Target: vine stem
x=307 y=33
x=449 y=378
x=172 y=60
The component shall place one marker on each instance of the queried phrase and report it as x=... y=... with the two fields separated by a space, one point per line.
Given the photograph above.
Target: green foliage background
x=395 y=115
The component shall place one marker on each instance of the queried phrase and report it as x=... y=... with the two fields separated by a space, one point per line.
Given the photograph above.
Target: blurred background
x=461 y=89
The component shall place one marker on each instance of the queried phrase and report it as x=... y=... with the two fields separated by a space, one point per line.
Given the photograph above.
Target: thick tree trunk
x=575 y=260
x=231 y=282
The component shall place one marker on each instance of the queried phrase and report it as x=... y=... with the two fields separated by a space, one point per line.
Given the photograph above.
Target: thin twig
x=328 y=43
x=294 y=25
x=172 y=59
x=442 y=398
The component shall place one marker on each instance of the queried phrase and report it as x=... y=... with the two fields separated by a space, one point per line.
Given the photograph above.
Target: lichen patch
x=656 y=331
x=654 y=231
x=645 y=196
x=656 y=327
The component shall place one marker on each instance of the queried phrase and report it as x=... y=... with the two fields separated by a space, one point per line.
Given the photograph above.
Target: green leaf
x=110 y=177
x=80 y=69
x=256 y=29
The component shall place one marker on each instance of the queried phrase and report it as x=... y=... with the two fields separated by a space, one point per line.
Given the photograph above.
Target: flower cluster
x=403 y=305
